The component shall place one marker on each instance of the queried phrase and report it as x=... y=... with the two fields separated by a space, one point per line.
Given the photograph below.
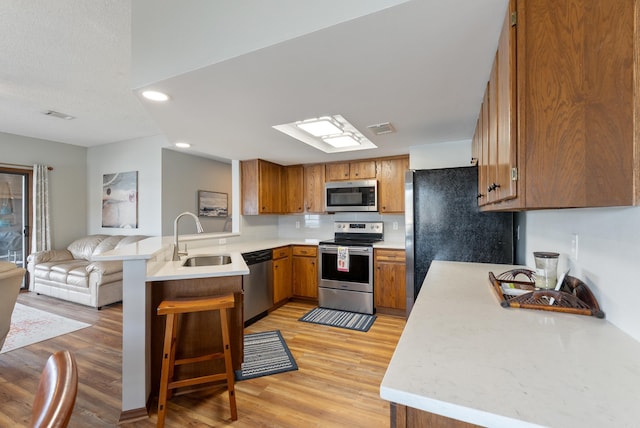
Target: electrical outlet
x=297 y=225
x=574 y=247
x=395 y=225
x=222 y=241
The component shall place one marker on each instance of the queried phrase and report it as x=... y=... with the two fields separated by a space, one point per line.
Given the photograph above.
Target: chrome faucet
x=176 y=249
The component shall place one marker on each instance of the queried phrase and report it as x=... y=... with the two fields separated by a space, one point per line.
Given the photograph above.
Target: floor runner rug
x=265 y=354
x=342 y=319
x=30 y=325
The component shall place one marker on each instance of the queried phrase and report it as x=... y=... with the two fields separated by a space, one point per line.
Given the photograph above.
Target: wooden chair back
x=57 y=390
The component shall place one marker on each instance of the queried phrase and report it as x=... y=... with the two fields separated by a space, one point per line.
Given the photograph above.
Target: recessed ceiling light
x=182 y=145
x=331 y=134
x=321 y=127
x=345 y=140
x=155 y=96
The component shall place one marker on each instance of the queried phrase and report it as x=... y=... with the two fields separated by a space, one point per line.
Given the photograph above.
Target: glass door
x=14 y=216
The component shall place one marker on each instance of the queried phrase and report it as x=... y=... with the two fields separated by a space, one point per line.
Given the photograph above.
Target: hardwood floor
x=336 y=384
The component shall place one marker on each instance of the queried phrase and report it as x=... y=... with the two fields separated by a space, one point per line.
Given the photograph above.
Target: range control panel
x=376 y=227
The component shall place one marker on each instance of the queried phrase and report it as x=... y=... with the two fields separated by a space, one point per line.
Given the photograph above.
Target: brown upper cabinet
x=269 y=188
x=261 y=187
x=294 y=186
x=314 y=177
x=391 y=184
x=361 y=170
x=558 y=124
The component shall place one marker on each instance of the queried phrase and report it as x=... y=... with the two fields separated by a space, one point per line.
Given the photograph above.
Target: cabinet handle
x=493 y=187
x=479 y=195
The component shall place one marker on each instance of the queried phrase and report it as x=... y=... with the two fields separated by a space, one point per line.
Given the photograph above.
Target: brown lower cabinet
x=282 y=286
x=305 y=271
x=408 y=417
x=389 y=278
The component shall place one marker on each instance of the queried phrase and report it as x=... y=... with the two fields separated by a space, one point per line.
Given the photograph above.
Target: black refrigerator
x=443 y=222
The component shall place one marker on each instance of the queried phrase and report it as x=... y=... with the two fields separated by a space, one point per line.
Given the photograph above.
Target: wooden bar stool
x=172 y=308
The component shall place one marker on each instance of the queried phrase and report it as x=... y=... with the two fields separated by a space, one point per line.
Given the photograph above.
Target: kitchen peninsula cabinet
x=566 y=107
x=314 y=176
x=305 y=271
x=261 y=187
x=199 y=331
x=390 y=174
x=282 y=289
x=361 y=170
x=389 y=275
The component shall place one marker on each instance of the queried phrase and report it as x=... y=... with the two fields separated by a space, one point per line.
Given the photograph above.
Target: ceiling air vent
x=382 y=128
x=57 y=114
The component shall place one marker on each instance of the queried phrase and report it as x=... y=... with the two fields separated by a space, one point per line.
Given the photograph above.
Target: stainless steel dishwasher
x=257 y=285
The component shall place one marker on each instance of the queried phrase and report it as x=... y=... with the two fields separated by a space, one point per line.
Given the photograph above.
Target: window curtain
x=40 y=233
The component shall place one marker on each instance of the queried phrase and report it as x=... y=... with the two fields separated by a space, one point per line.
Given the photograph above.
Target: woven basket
x=573 y=296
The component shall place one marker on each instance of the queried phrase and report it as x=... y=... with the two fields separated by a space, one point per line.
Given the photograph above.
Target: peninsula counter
x=464 y=357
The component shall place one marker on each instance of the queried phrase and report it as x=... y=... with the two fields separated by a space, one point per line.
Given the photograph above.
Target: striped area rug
x=342 y=319
x=265 y=354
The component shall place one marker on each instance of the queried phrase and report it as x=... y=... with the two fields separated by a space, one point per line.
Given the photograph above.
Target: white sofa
x=72 y=275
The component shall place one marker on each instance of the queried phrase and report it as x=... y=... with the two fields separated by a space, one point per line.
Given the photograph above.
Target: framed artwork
x=120 y=200
x=212 y=204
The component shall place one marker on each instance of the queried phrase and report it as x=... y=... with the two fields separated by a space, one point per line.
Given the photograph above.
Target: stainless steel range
x=346 y=267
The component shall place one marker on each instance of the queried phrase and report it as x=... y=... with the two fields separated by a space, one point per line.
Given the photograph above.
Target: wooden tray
x=516 y=289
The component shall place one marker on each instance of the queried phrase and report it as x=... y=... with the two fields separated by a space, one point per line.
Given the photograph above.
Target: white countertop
x=463 y=356
x=160 y=267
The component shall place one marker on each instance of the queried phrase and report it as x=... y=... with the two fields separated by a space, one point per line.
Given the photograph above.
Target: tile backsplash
x=320 y=226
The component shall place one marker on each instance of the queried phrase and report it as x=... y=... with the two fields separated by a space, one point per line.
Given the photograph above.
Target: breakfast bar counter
x=464 y=357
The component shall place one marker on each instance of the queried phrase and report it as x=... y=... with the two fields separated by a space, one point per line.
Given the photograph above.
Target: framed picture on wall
x=120 y=200
x=212 y=204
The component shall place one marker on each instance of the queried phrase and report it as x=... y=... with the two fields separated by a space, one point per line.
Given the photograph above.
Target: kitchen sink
x=207 y=261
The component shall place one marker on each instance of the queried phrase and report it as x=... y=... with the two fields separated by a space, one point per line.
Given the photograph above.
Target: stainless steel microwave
x=359 y=195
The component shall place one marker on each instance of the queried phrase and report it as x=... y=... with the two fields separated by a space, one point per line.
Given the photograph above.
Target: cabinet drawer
x=305 y=251
x=281 y=252
x=390 y=255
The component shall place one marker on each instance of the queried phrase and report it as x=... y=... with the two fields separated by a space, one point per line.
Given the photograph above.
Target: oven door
x=359 y=277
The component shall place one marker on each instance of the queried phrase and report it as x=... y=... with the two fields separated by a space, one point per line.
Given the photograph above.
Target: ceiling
x=235 y=69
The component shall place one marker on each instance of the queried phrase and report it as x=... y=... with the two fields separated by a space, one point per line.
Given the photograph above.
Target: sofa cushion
x=83 y=248
x=105 y=267
x=107 y=244
x=67 y=267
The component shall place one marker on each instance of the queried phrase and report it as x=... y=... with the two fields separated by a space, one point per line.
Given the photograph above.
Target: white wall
x=182 y=176
x=440 y=155
x=67 y=190
x=608 y=258
x=143 y=155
